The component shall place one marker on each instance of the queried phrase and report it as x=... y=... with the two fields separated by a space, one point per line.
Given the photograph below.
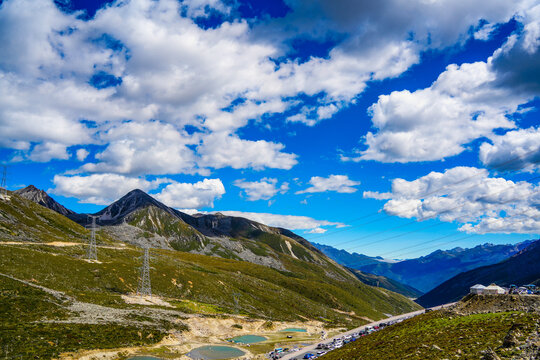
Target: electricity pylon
x=91 y=253
x=145 y=287
x=4 y=180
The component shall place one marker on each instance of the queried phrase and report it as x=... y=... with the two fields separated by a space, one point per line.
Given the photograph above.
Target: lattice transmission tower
x=145 y=287
x=91 y=253
x=3 y=186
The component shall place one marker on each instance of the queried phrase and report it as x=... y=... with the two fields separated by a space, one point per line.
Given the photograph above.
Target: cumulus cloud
x=101 y=189
x=197 y=195
x=465 y=103
x=468 y=196
x=317 y=231
x=291 y=222
x=82 y=154
x=220 y=150
x=437 y=122
x=377 y=195
x=137 y=148
x=264 y=189
x=484 y=32
x=515 y=150
x=337 y=183
x=516 y=62
x=47 y=151
x=164 y=66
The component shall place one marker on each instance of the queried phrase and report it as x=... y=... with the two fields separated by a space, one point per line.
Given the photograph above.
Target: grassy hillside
x=447 y=335
x=386 y=283
x=21 y=219
x=301 y=290
x=34 y=326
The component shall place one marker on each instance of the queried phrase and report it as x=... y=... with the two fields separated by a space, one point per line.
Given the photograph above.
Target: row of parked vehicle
x=336 y=343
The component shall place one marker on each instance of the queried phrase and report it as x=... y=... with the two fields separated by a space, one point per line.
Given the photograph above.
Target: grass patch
x=438 y=335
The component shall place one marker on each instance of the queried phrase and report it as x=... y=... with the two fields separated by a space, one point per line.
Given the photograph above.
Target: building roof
x=493 y=286
x=478 y=286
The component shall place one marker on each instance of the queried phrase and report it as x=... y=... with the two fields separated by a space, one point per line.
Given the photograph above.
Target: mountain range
x=521 y=269
x=139 y=219
x=57 y=300
x=426 y=272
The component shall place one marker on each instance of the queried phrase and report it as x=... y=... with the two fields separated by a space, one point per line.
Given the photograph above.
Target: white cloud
x=197 y=195
x=101 y=189
x=220 y=150
x=264 y=189
x=436 y=122
x=377 y=195
x=317 y=231
x=82 y=154
x=338 y=183
x=201 y=8
x=484 y=32
x=136 y=148
x=47 y=151
x=291 y=222
x=172 y=70
x=468 y=196
x=515 y=150
x=465 y=103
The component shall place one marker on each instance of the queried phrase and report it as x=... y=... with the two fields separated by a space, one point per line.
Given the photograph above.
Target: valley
x=203 y=299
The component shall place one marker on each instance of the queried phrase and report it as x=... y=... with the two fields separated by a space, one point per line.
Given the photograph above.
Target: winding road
x=312 y=348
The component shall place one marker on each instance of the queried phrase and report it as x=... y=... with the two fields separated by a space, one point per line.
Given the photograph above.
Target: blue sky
x=387 y=129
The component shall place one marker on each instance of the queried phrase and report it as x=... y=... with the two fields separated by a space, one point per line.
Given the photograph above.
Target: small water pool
x=293 y=330
x=248 y=339
x=212 y=352
x=143 y=358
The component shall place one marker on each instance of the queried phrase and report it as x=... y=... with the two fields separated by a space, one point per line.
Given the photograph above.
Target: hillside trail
x=89 y=313
x=60 y=244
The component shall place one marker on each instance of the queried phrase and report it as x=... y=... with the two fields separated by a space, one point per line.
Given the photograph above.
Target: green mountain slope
x=386 y=283
x=301 y=290
x=454 y=334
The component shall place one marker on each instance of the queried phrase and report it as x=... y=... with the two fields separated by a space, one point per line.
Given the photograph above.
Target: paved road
x=311 y=348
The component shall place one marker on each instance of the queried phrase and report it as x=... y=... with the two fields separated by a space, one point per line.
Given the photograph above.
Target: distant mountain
x=36 y=195
x=345 y=258
x=426 y=272
x=521 y=269
x=386 y=283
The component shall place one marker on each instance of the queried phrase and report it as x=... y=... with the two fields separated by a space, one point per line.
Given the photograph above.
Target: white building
x=477 y=289
x=494 y=290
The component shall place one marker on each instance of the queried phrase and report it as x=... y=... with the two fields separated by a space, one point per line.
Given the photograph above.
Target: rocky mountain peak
x=132 y=201
x=40 y=197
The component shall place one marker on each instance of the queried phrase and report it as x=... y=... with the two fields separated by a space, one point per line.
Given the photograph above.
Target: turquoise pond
x=248 y=339
x=144 y=358
x=214 y=353
x=293 y=330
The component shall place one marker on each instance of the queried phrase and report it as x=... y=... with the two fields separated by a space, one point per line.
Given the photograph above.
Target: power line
x=365 y=262
x=500 y=165
x=430 y=241
x=416 y=221
x=3 y=186
x=433 y=216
